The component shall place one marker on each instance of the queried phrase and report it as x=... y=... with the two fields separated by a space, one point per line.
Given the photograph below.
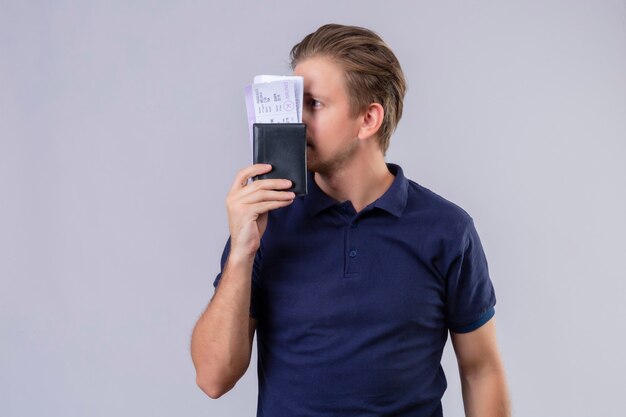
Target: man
x=352 y=289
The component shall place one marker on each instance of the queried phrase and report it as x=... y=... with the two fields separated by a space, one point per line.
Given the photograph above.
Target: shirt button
x=352 y=253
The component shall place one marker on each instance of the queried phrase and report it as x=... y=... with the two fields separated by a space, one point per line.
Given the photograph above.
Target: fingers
x=240 y=187
x=271 y=205
x=256 y=194
x=248 y=172
x=248 y=204
x=258 y=197
x=264 y=185
x=266 y=195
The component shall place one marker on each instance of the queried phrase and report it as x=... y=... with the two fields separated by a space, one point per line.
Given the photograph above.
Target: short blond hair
x=372 y=71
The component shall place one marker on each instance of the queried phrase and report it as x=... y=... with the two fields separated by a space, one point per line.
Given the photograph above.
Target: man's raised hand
x=247 y=206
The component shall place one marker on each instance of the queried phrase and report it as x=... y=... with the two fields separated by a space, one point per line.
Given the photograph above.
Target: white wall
x=122 y=124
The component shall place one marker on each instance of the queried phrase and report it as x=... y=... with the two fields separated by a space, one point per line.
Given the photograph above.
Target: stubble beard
x=336 y=162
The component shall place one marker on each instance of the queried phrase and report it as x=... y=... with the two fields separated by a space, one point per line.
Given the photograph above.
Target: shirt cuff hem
x=487 y=315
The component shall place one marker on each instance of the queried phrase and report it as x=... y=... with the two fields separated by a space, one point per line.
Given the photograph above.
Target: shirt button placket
x=352 y=247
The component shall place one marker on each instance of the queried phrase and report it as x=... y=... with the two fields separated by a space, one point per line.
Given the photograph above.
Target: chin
x=311 y=166
x=321 y=167
x=311 y=160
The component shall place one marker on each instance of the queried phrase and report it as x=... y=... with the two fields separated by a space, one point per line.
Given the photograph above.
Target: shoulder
x=435 y=211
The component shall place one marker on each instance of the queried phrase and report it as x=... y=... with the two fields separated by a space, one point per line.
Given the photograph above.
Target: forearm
x=485 y=393
x=220 y=344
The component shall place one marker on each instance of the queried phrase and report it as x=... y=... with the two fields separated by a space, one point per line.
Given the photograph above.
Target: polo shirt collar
x=316 y=200
x=393 y=200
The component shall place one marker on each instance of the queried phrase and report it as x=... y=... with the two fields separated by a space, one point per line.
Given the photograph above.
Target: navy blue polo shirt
x=354 y=309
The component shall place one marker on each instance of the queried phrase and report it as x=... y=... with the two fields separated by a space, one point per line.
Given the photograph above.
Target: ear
x=372 y=118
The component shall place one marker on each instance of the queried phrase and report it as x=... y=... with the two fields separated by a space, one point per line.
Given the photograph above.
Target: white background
x=123 y=123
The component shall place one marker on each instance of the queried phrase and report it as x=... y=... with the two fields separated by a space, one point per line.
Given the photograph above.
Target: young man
x=352 y=289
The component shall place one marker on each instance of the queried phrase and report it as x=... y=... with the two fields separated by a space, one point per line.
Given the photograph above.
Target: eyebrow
x=311 y=95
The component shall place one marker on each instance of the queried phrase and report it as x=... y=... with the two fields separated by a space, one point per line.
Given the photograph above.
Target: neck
x=362 y=180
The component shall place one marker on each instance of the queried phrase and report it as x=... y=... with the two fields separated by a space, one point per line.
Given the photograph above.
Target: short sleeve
x=470 y=296
x=255 y=279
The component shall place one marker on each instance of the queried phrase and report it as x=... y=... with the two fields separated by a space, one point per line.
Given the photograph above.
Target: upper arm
x=477 y=350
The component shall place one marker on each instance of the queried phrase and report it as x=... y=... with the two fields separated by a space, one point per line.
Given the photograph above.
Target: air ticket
x=274 y=99
x=298 y=85
x=274 y=102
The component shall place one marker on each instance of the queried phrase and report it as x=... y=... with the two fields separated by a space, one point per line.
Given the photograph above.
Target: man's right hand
x=247 y=206
x=221 y=343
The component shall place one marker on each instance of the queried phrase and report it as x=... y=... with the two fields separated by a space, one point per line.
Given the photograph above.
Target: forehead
x=322 y=76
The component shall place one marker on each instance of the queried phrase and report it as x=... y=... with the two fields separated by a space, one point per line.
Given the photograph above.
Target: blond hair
x=372 y=71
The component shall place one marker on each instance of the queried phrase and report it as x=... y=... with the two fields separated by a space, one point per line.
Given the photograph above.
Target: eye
x=315 y=104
